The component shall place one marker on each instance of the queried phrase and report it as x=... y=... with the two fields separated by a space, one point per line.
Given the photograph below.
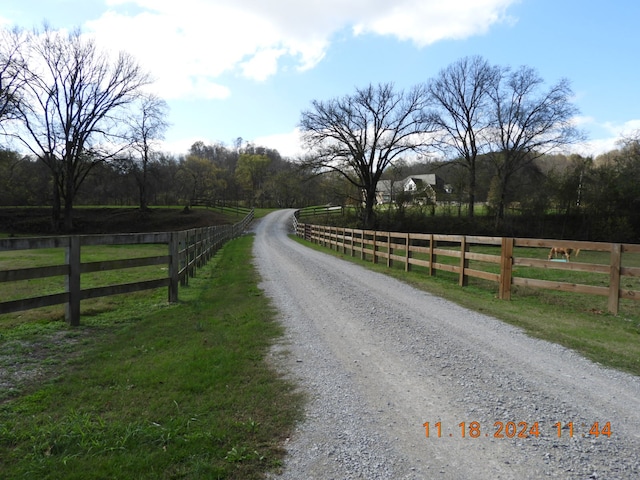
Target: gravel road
x=378 y=359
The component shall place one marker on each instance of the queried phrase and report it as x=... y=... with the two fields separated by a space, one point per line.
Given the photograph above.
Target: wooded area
x=588 y=198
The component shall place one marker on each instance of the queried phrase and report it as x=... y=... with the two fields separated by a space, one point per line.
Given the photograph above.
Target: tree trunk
x=472 y=189
x=56 y=208
x=502 y=200
x=69 y=194
x=142 y=189
x=68 y=214
x=369 y=220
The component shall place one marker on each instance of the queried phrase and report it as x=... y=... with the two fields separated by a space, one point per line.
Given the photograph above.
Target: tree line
x=470 y=108
x=555 y=196
x=207 y=174
x=589 y=198
x=92 y=134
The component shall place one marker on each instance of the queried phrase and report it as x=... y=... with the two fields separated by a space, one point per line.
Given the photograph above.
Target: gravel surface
x=378 y=359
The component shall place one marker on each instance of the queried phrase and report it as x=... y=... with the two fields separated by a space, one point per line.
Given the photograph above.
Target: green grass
x=56 y=256
x=580 y=322
x=150 y=390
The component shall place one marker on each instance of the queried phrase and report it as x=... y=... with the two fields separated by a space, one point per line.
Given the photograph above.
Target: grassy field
x=56 y=256
x=580 y=322
x=148 y=390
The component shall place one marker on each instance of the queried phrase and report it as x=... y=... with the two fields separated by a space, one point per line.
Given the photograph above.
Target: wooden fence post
x=614 y=278
x=184 y=256
x=174 y=266
x=432 y=256
x=190 y=255
x=463 y=280
x=407 y=265
x=506 y=268
x=211 y=232
x=375 y=246
x=72 y=258
x=198 y=252
x=389 y=261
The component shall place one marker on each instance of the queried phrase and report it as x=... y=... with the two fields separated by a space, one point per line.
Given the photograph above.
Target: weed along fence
x=185 y=252
x=507 y=262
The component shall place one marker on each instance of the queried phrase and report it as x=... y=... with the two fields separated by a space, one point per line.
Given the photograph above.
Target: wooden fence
x=310 y=213
x=186 y=251
x=452 y=253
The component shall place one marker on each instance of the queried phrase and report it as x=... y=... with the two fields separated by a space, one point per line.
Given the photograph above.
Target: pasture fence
x=187 y=251
x=325 y=211
x=507 y=262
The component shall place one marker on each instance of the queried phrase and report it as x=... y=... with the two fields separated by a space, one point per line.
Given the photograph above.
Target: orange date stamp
x=517 y=430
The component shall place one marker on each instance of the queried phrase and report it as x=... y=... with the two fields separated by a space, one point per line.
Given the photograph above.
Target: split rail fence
x=187 y=251
x=452 y=253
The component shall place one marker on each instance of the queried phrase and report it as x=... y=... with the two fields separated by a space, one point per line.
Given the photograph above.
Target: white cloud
x=623 y=130
x=426 y=22
x=189 y=45
x=287 y=144
x=181 y=146
x=608 y=137
x=263 y=64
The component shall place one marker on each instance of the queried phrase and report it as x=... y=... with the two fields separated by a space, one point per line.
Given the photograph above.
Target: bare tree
x=460 y=94
x=11 y=66
x=529 y=122
x=147 y=126
x=71 y=116
x=630 y=145
x=360 y=135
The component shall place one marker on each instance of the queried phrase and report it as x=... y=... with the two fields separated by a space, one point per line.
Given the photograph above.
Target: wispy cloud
x=610 y=137
x=191 y=44
x=427 y=22
x=625 y=129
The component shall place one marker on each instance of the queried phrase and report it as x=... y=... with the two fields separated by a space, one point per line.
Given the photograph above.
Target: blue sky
x=248 y=68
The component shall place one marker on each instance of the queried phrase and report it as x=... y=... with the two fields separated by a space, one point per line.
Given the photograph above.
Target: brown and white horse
x=563 y=252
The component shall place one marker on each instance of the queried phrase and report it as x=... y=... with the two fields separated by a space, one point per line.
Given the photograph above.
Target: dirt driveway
x=379 y=359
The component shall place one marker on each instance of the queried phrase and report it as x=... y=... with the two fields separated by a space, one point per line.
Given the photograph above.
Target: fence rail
x=187 y=250
x=313 y=212
x=220 y=205
x=452 y=253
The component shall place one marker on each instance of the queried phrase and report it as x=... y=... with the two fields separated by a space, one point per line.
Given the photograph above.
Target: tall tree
x=460 y=95
x=528 y=122
x=73 y=108
x=251 y=173
x=147 y=126
x=360 y=135
x=199 y=179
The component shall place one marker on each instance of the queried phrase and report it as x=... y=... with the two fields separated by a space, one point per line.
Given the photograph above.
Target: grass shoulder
x=169 y=391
